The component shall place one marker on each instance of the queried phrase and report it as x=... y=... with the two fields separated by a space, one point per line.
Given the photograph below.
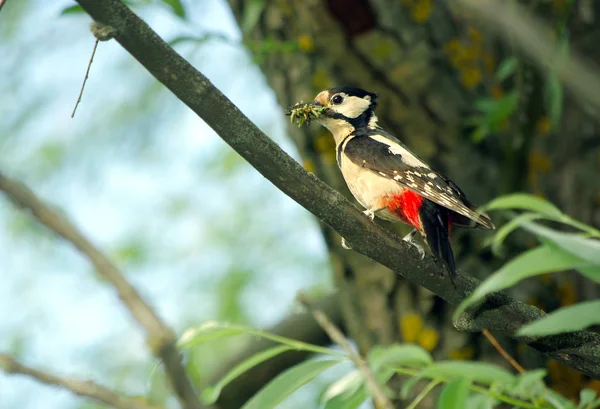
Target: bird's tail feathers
x=435 y=228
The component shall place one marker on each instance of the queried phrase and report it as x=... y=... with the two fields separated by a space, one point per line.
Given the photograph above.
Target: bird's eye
x=337 y=99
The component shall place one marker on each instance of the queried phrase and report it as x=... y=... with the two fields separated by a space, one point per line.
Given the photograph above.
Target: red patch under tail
x=406 y=206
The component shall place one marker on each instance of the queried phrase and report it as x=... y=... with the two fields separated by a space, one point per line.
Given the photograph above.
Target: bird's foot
x=370 y=214
x=345 y=245
x=410 y=239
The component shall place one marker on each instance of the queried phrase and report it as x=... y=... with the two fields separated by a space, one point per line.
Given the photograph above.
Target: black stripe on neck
x=360 y=121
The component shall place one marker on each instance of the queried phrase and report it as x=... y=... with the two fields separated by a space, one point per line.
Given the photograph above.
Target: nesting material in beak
x=305 y=112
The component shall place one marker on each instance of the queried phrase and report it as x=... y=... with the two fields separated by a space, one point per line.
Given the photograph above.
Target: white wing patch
x=407 y=156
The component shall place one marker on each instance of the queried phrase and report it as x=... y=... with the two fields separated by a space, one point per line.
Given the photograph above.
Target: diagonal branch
x=86 y=389
x=581 y=350
x=161 y=338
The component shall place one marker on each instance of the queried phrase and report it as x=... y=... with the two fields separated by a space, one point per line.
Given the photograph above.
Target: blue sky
x=133 y=169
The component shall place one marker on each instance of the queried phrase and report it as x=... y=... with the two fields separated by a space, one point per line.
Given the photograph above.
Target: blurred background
x=197 y=230
x=205 y=237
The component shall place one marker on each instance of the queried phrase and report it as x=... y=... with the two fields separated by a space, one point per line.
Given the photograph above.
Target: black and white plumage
x=388 y=179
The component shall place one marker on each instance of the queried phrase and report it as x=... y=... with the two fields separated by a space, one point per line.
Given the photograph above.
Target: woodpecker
x=386 y=178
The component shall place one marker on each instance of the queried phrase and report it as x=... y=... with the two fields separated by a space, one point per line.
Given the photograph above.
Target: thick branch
x=160 y=337
x=580 y=350
x=86 y=389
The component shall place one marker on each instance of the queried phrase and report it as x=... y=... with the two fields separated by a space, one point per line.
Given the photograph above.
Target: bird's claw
x=409 y=238
x=345 y=245
x=370 y=214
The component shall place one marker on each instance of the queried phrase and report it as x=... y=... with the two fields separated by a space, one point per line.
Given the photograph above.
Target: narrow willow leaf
x=540 y=260
x=509 y=227
x=529 y=384
x=525 y=202
x=480 y=372
x=77 y=9
x=556 y=96
x=212 y=330
x=211 y=394
x=507 y=68
x=351 y=401
x=252 y=12
x=568 y=319
x=398 y=354
x=347 y=385
x=454 y=395
x=575 y=244
x=287 y=382
x=592 y=272
x=588 y=399
x=176 y=6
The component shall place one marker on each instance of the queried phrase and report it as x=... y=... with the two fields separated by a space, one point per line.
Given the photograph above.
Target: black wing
x=398 y=163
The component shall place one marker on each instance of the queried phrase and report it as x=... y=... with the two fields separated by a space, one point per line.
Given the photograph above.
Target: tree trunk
x=428 y=67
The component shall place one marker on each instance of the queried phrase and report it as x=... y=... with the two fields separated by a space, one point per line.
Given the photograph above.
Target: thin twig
x=503 y=352
x=87 y=75
x=87 y=389
x=2 y=3
x=423 y=393
x=161 y=338
x=379 y=397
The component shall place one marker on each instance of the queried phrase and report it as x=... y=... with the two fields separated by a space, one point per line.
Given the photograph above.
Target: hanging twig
x=87 y=74
x=503 y=352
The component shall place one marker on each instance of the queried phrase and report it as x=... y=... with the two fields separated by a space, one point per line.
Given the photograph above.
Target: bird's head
x=346 y=108
x=341 y=110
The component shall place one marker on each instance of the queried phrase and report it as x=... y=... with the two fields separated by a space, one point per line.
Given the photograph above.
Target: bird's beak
x=321 y=99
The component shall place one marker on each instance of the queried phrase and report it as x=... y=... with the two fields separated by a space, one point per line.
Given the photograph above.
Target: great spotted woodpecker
x=386 y=178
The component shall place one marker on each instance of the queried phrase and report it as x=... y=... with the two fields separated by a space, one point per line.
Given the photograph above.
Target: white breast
x=367 y=187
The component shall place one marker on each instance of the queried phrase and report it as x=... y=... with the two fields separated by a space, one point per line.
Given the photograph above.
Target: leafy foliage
x=462 y=384
x=559 y=250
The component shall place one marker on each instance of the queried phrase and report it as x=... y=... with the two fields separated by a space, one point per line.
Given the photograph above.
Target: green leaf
x=398 y=354
x=481 y=401
x=592 y=272
x=351 y=401
x=525 y=202
x=454 y=395
x=76 y=9
x=540 y=260
x=568 y=319
x=176 y=6
x=556 y=96
x=286 y=383
x=480 y=133
x=585 y=248
x=507 y=68
x=587 y=399
x=557 y=401
x=213 y=330
x=529 y=384
x=211 y=394
x=509 y=227
x=346 y=385
x=252 y=13
x=480 y=372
